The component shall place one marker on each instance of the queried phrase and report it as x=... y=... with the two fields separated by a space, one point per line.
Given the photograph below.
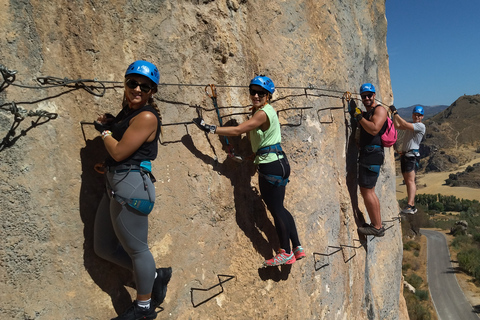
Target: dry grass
x=419 y=267
x=466 y=282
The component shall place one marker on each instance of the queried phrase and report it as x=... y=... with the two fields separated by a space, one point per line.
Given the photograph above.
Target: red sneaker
x=281 y=258
x=299 y=253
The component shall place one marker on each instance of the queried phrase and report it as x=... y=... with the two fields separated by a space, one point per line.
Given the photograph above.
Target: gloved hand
x=203 y=126
x=104 y=122
x=358 y=114
x=392 y=108
x=100 y=126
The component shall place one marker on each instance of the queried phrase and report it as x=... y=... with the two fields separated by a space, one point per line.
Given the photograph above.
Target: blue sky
x=434 y=50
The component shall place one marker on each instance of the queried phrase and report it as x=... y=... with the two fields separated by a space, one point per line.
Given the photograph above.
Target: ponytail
x=152 y=103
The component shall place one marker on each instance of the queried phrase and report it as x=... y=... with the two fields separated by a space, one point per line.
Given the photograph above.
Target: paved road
x=447 y=296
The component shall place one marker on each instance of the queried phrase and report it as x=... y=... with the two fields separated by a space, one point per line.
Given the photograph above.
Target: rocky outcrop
x=209 y=223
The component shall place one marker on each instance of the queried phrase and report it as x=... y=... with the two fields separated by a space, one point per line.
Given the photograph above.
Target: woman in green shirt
x=273 y=167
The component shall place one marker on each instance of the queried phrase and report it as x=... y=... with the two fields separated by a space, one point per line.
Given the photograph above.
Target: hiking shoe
x=138 y=313
x=299 y=253
x=159 y=290
x=409 y=209
x=281 y=258
x=371 y=230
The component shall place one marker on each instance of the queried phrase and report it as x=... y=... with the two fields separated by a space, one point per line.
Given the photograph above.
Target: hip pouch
x=142 y=205
x=372 y=167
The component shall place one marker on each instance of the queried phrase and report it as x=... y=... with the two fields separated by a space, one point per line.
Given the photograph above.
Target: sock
x=144 y=303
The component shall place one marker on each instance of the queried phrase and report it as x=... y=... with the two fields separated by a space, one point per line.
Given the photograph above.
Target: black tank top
x=148 y=150
x=366 y=138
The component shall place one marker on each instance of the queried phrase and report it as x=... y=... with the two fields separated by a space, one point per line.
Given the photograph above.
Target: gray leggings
x=121 y=232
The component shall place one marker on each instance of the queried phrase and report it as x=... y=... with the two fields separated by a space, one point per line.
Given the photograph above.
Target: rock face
x=209 y=223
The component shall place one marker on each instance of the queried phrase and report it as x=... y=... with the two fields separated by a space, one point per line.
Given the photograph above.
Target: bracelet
x=106 y=133
x=213 y=128
x=396 y=112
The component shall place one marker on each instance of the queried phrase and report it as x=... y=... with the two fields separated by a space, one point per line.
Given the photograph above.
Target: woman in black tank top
x=121 y=222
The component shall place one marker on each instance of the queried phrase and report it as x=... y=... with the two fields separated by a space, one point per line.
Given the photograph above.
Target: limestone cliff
x=209 y=223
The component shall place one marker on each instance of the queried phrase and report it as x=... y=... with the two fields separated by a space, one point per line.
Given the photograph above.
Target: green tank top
x=260 y=139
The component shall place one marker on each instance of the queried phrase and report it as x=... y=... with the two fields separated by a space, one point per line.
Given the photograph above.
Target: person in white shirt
x=410 y=155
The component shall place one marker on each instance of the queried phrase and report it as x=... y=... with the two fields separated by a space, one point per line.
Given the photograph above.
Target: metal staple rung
x=220 y=282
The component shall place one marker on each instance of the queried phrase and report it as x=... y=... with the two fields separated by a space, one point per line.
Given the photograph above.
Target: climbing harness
x=274 y=179
x=276 y=148
x=412 y=153
x=372 y=167
x=143 y=205
x=213 y=95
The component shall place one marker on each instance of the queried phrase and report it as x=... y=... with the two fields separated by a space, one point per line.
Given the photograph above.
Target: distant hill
x=457 y=125
x=450 y=131
x=430 y=111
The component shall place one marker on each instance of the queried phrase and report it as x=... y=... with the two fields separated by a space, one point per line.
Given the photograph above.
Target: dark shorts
x=369 y=163
x=408 y=164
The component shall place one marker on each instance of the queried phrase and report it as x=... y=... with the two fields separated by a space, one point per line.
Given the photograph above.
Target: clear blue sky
x=434 y=50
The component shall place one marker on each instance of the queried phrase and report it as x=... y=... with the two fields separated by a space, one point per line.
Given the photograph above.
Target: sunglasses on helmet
x=144 y=87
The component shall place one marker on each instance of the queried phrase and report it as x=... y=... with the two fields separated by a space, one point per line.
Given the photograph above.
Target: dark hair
x=151 y=102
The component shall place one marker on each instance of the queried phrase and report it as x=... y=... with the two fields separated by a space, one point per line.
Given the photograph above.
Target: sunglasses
x=261 y=94
x=369 y=95
x=132 y=84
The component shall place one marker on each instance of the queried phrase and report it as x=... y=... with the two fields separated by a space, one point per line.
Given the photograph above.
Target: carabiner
x=213 y=89
x=347 y=96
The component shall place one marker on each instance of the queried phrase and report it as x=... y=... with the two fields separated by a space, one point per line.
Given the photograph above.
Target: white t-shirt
x=412 y=139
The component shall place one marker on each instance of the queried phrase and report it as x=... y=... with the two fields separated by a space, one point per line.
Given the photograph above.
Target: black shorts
x=369 y=162
x=408 y=164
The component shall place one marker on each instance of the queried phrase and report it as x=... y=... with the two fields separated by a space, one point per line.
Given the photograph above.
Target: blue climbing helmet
x=264 y=82
x=367 y=87
x=144 y=68
x=418 y=109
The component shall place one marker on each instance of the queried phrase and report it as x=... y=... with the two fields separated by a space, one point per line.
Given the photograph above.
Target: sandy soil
x=435 y=183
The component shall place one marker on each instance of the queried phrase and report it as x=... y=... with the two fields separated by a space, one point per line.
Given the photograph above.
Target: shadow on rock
x=351 y=168
x=250 y=213
x=109 y=277
x=275 y=273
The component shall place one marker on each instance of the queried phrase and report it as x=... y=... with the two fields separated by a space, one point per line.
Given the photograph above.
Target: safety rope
x=19 y=115
x=8 y=77
x=98 y=88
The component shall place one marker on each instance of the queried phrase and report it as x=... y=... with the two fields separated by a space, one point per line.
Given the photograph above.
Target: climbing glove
x=203 y=126
x=358 y=114
x=106 y=125
x=393 y=109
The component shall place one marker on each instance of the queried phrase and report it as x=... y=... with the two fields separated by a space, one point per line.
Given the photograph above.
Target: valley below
x=434 y=183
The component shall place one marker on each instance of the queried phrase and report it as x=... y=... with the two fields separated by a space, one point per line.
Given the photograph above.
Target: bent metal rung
x=219 y=284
